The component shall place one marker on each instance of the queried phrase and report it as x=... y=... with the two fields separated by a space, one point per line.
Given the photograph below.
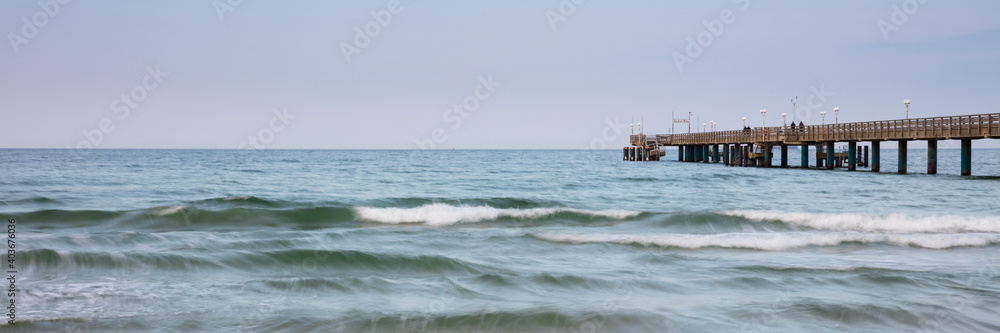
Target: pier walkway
x=738 y=146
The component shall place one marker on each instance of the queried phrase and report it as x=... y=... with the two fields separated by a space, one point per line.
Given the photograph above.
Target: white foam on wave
x=779 y=241
x=877 y=223
x=443 y=214
x=169 y=210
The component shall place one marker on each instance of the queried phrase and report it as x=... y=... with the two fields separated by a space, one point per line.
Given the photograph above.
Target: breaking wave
x=778 y=241
x=443 y=214
x=876 y=223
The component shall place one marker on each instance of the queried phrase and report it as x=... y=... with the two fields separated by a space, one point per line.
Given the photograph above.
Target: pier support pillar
x=768 y=158
x=804 y=151
x=715 y=150
x=746 y=156
x=625 y=154
x=876 y=149
x=704 y=152
x=820 y=161
x=725 y=155
x=739 y=155
x=738 y=152
x=736 y=155
x=680 y=153
x=830 y=161
x=966 y=157
x=902 y=157
x=688 y=154
x=932 y=150
x=784 y=156
x=866 y=157
x=852 y=156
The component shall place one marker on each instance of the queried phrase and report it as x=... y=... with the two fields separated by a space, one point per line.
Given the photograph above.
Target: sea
x=494 y=241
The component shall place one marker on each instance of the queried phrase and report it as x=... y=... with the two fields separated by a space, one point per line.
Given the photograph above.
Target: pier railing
x=936 y=128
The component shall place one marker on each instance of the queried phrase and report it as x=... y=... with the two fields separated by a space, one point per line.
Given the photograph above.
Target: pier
x=754 y=147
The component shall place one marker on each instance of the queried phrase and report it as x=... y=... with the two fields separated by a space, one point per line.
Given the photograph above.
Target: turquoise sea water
x=496 y=241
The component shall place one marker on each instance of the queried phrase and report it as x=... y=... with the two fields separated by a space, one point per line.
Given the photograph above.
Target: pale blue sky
x=558 y=88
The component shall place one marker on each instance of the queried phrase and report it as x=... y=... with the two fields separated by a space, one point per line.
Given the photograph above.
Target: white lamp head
x=823 y=113
x=763 y=111
x=836 y=109
x=906 y=101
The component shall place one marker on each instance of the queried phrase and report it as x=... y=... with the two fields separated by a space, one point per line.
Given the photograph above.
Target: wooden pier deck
x=738 y=145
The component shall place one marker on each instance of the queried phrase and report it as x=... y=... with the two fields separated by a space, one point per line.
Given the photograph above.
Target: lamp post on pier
x=823 y=115
x=907 y=103
x=836 y=115
x=763 y=123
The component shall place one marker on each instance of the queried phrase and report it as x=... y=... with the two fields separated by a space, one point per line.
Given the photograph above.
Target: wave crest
x=876 y=223
x=778 y=241
x=443 y=214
